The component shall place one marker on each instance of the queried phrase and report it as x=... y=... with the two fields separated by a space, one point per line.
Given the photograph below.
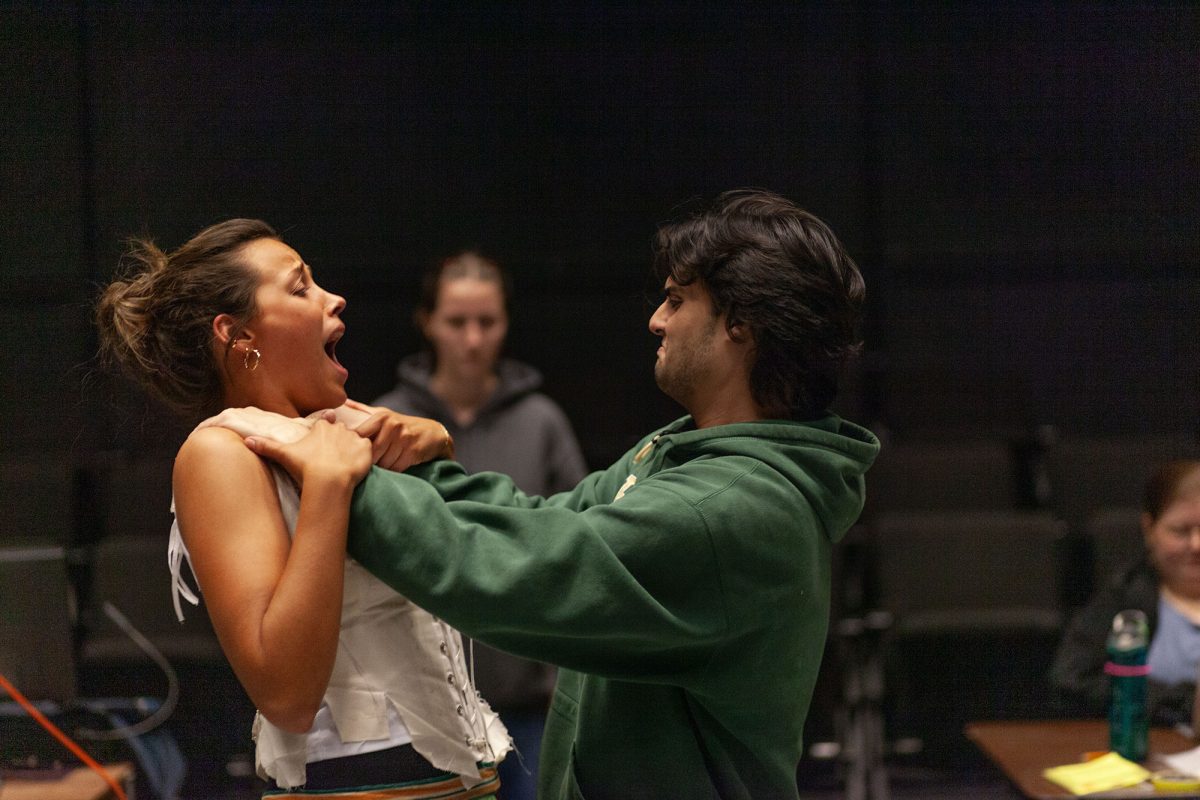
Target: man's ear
x=739 y=332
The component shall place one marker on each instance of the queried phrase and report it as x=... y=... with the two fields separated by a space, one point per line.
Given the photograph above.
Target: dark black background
x=1018 y=182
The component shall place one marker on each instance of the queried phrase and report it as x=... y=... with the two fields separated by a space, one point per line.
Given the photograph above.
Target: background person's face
x=1173 y=541
x=468 y=326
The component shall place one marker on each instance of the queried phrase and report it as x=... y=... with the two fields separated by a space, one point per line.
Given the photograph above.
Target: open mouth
x=331 y=350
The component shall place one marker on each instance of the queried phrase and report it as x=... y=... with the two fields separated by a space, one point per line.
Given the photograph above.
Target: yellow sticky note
x=1109 y=771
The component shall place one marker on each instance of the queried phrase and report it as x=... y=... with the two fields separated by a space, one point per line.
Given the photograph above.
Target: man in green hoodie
x=683 y=591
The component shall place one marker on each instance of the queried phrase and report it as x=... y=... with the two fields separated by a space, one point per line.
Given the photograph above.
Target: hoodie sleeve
x=629 y=589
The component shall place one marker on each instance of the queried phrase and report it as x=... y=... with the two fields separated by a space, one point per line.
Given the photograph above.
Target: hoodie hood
x=413 y=373
x=826 y=459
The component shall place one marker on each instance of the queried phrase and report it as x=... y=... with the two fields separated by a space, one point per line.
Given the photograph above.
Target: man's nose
x=657 y=320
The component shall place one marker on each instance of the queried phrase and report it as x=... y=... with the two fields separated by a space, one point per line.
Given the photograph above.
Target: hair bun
x=124 y=309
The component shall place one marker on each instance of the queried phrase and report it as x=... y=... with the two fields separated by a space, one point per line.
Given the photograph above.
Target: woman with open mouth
x=356 y=688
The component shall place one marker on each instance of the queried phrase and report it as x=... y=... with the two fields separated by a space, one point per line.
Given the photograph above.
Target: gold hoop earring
x=247 y=362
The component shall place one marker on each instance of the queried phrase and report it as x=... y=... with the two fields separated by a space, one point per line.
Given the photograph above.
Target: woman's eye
x=300 y=291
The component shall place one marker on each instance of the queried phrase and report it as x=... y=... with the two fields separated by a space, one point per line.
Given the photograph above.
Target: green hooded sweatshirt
x=684 y=592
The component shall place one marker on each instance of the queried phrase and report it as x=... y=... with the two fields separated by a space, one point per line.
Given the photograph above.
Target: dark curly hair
x=782 y=273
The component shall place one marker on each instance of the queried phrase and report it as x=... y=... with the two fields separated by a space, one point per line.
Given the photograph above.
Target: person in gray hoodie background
x=500 y=423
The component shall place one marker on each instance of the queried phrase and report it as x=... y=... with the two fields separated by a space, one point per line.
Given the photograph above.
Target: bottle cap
x=1175 y=782
x=1130 y=630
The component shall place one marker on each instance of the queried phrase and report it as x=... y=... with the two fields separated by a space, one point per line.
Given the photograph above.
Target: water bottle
x=1128 y=721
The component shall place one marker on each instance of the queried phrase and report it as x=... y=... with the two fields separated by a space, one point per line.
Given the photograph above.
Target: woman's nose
x=337 y=304
x=474 y=334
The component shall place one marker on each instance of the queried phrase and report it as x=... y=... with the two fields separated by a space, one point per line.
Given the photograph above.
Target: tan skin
x=275 y=600
x=703 y=364
x=1173 y=542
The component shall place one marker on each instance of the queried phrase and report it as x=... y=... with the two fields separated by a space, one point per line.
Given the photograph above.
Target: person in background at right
x=500 y=423
x=1165 y=584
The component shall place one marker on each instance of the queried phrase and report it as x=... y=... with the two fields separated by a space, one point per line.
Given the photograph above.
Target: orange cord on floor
x=62 y=737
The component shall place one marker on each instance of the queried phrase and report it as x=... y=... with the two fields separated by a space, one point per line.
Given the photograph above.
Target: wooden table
x=80 y=783
x=1024 y=749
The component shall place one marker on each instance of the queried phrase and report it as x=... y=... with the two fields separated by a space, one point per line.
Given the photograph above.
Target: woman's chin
x=329 y=400
x=1187 y=584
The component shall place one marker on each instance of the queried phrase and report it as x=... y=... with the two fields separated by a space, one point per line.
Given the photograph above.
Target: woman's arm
x=275 y=603
x=399 y=441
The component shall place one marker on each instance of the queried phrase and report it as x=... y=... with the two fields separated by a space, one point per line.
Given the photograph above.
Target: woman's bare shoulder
x=214 y=449
x=212 y=441
x=219 y=483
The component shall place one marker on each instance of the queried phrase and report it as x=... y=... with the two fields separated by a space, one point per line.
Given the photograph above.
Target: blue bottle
x=1128 y=721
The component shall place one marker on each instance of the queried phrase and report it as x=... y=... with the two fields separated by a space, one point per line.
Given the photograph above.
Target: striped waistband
x=448 y=788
